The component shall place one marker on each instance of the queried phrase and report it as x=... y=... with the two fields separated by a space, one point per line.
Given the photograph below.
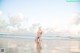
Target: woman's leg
x=38 y=46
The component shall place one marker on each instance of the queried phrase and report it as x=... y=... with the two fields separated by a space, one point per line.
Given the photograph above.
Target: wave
x=43 y=37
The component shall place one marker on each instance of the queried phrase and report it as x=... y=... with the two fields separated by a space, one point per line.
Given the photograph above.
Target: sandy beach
x=39 y=26
x=27 y=45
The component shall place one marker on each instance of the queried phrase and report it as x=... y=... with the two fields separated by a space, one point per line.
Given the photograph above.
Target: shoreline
x=28 y=45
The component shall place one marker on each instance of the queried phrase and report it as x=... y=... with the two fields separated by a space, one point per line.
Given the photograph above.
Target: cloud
x=18 y=24
x=17 y=19
x=75 y=19
x=3 y=24
x=1 y=13
x=73 y=26
x=70 y=29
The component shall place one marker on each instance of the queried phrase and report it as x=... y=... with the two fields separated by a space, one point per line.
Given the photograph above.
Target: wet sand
x=28 y=45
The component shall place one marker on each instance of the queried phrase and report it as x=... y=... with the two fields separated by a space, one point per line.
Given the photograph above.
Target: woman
x=39 y=33
x=38 y=40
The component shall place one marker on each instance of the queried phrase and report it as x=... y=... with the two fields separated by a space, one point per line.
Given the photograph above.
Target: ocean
x=43 y=37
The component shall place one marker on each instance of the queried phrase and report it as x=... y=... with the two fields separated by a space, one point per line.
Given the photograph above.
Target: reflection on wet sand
x=20 y=45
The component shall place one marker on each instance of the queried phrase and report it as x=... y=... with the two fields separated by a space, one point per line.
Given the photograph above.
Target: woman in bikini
x=38 y=40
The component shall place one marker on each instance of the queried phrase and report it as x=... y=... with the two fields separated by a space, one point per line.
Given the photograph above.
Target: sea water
x=43 y=37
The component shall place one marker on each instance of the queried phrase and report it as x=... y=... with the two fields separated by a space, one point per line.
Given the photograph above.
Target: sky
x=45 y=12
x=49 y=13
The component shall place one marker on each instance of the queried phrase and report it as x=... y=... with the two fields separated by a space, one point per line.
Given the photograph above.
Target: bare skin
x=38 y=46
x=38 y=40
